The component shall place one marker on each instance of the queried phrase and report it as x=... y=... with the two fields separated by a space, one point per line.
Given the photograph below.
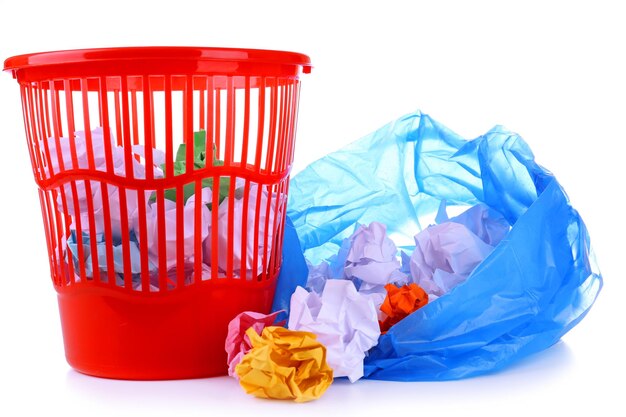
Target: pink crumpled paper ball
x=237 y=342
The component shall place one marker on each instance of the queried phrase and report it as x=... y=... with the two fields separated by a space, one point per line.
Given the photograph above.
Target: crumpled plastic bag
x=537 y=283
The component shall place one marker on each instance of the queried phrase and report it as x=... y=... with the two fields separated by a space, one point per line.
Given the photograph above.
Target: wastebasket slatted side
x=125 y=105
x=159 y=170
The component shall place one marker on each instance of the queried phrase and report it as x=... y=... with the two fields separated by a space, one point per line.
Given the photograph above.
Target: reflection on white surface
x=202 y=396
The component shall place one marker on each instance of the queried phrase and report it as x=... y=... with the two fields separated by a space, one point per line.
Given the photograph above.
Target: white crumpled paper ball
x=445 y=255
x=344 y=321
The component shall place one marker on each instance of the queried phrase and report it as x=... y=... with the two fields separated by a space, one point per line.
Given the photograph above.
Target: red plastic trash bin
x=163 y=175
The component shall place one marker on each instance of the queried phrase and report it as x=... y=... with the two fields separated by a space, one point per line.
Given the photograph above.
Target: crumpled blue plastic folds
x=537 y=284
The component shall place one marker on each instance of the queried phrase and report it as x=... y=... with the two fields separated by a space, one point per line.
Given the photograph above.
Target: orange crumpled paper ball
x=284 y=364
x=400 y=302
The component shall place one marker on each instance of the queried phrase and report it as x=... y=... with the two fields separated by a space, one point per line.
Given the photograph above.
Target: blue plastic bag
x=537 y=284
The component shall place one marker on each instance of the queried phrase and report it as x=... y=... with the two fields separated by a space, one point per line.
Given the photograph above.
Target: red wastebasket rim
x=157 y=52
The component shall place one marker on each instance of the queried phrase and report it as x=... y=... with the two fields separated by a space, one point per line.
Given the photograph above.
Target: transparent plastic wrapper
x=537 y=283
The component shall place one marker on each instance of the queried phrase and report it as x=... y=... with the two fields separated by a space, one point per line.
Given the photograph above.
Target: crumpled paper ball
x=318 y=275
x=445 y=255
x=237 y=342
x=266 y=214
x=101 y=261
x=284 y=364
x=400 y=302
x=372 y=257
x=79 y=189
x=345 y=321
x=172 y=244
x=486 y=223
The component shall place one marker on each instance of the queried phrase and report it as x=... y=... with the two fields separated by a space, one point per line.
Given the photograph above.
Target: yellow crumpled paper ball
x=284 y=364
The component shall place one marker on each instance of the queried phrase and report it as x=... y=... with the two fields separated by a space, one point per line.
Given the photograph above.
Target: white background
x=554 y=72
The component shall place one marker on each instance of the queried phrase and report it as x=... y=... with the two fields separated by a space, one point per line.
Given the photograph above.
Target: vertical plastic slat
x=169 y=144
x=63 y=229
x=180 y=236
x=43 y=133
x=210 y=111
x=230 y=227
x=56 y=108
x=228 y=161
x=214 y=227
x=79 y=231
x=273 y=261
x=141 y=195
x=280 y=136
x=55 y=230
x=118 y=117
x=160 y=202
x=47 y=231
x=282 y=128
x=92 y=232
x=104 y=114
x=128 y=165
x=126 y=138
x=143 y=241
x=201 y=111
x=88 y=139
x=188 y=124
x=243 y=270
x=278 y=241
x=246 y=191
x=272 y=137
x=46 y=112
x=169 y=173
x=108 y=234
x=290 y=126
x=255 y=234
x=53 y=253
x=77 y=209
x=55 y=126
x=266 y=230
x=35 y=138
x=260 y=126
x=88 y=190
x=217 y=123
x=230 y=123
x=56 y=131
x=135 y=131
x=125 y=241
x=246 y=124
x=197 y=229
x=148 y=127
x=286 y=124
x=190 y=167
x=295 y=117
